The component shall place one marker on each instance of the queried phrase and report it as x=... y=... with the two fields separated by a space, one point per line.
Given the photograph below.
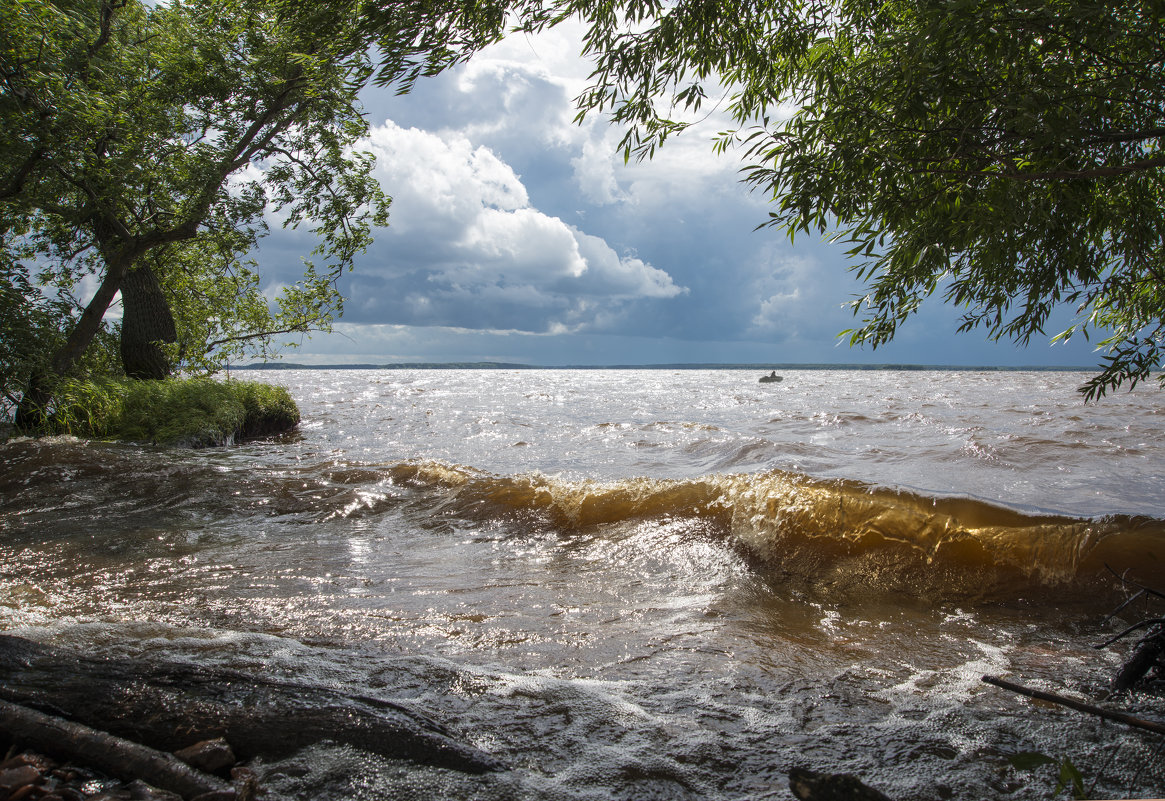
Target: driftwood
x=1079 y=706
x=1147 y=656
x=112 y=755
x=1149 y=651
x=170 y=706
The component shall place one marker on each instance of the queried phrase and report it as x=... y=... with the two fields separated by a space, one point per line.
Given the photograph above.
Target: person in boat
x=773 y=374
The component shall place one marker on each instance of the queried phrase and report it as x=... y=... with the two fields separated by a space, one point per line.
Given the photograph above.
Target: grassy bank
x=195 y=412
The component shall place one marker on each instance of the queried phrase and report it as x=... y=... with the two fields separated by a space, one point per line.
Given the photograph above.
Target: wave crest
x=836 y=535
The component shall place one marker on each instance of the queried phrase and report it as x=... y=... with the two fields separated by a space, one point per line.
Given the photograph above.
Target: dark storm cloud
x=466 y=248
x=515 y=230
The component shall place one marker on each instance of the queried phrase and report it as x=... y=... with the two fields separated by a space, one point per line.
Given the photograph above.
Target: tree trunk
x=30 y=413
x=146 y=325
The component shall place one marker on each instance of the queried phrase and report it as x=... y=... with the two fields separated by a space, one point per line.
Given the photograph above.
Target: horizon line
x=491 y=365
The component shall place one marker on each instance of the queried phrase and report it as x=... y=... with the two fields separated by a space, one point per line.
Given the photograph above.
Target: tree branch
x=114 y=755
x=107 y=11
x=297 y=328
x=1052 y=175
x=20 y=177
x=1079 y=706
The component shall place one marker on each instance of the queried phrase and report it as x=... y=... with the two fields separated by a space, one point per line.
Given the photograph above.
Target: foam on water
x=632 y=584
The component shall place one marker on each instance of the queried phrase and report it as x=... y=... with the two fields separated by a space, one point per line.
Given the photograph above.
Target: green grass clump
x=193 y=413
x=269 y=409
x=89 y=408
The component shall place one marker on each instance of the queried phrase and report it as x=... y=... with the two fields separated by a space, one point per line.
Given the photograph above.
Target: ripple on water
x=688 y=619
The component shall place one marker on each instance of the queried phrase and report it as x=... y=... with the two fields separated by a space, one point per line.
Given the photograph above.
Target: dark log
x=170 y=706
x=1145 y=657
x=109 y=754
x=1079 y=706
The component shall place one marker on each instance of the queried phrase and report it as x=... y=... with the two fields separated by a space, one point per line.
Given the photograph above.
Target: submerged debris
x=1147 y=664
x=808 y=785
x=1142 y=670
x=1145 y=667
x=37 y=777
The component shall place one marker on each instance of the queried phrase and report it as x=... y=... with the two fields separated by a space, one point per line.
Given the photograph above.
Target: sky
x=518 y=235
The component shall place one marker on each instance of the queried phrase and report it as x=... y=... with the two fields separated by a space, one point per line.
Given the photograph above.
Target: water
x=634 y=584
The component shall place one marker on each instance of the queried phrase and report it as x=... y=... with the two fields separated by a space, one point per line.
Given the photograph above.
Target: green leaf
x=1070 y=778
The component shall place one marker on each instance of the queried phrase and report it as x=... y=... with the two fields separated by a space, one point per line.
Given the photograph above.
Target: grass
x=193 y=413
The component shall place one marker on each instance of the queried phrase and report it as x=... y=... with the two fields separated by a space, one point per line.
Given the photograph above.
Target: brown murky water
x=634 y=584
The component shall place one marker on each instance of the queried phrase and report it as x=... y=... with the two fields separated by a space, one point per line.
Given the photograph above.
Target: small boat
x=771 y=378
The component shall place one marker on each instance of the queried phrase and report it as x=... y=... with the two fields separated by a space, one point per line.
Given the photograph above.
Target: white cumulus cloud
x=466 y=247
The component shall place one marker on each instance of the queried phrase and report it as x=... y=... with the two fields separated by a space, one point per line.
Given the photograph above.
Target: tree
x=30 y=330
x=1007 y=156
x=130 y=131
x=144 y=145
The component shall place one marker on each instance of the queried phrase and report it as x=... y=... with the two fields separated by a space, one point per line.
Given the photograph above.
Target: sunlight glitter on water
x=623 y=605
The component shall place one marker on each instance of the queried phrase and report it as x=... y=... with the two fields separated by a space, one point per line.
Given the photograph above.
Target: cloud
x=466 y=248
x=594 y=172
x=401 y=343
x=796 y=297
x=426 y=172
x=508 y=215
x=624 y=277
x=518 y=234
x=513 y=101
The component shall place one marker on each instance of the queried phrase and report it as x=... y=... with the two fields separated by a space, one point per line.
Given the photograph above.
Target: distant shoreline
x=766 y=366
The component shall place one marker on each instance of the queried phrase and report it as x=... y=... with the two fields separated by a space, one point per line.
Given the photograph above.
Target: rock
x=809 y=785
x=246 y=783
x=38 y=761
x=210 y=756
x=140 y=791
x=13 y=779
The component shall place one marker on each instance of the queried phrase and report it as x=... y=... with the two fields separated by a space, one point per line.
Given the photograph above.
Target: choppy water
x=634 y=584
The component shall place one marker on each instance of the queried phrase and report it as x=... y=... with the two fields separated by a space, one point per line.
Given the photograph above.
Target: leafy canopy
x=152 y=138
x=162 y=137
x=1005 y=155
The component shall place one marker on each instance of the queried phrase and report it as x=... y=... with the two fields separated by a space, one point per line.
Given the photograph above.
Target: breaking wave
x=833 y=535
x=829 y=537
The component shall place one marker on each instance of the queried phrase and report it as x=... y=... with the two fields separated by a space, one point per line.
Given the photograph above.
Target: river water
x=635 y=584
